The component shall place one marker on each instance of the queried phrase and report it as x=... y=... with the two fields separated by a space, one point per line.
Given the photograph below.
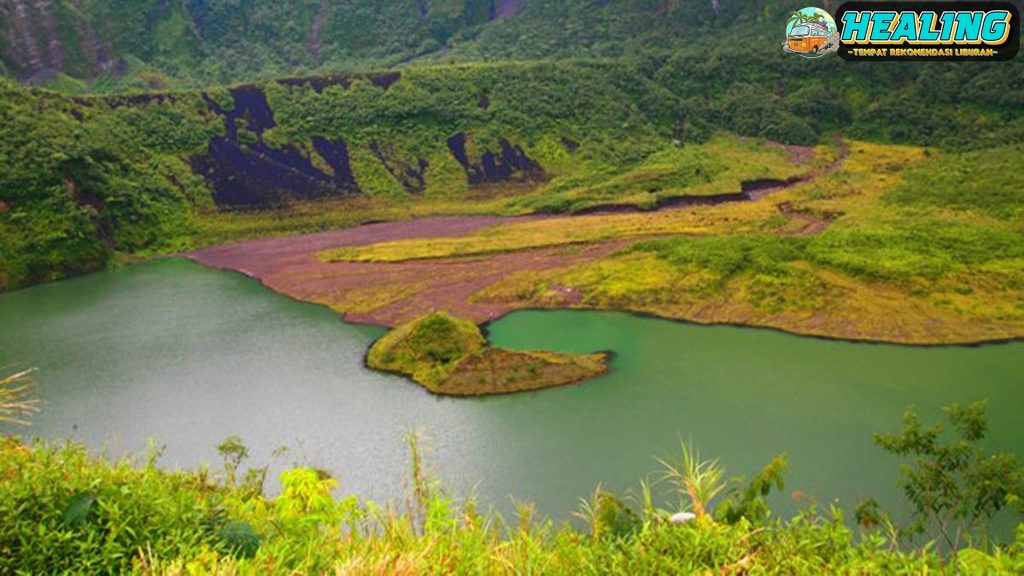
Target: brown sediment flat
x=257 y=258
x=290 y=266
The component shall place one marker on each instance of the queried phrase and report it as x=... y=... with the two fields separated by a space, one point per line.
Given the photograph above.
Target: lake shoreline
x=482 y=268
x=484 y=325
x=610 y=354
x=190 y=356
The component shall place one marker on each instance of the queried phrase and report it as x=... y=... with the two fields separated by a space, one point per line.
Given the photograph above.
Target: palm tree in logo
x=798 y=18
x=817 y=18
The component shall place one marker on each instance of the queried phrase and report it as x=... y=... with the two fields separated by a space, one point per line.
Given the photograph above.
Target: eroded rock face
x=411 y=174
x=34 y=46
x=509 y=164
x=245 y=172
x=41 y=39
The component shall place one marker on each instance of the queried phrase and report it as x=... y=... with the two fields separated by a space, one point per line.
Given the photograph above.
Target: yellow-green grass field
x=860 y=252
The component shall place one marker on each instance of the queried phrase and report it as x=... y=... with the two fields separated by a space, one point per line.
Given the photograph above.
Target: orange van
x=807 y=38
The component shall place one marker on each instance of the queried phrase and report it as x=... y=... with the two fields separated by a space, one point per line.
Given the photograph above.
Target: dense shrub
x=64 y=510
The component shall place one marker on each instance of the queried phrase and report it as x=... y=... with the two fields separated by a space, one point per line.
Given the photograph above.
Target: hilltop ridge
x=156 y=43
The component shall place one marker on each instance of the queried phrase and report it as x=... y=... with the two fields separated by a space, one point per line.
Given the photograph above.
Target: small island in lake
x=450 y=356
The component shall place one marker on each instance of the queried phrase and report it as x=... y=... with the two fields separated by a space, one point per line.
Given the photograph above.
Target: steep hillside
x=126 y=45
x=154 y=42
x=85 y=178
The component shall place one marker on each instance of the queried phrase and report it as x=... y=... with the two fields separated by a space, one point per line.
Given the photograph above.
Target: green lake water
x=187 y=356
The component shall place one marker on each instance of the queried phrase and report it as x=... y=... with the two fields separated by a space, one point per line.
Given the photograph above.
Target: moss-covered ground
x=450 y=356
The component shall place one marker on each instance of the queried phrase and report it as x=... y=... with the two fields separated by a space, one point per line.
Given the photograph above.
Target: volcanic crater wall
x=244 y=171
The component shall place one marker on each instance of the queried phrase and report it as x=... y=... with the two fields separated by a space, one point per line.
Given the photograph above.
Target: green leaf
x=76 y=511
x=241 y=538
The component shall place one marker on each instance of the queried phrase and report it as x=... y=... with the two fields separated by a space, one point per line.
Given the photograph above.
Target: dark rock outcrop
x=509 y=164
x=411 y=177
x=245 y=172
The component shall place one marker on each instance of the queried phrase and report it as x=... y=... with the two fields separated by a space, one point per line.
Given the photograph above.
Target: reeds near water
x=16 y=400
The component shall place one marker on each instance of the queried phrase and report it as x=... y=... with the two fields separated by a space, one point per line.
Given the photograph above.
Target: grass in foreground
x=450 y=356
x=65 y=511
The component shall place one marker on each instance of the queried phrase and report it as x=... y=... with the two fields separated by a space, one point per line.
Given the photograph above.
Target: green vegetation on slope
x=941 y=220
x=427 y=349
x=988 y=181
x=139 y=44
x=750 y=87
x=118 y=44
x=83 y=179
x=66 y=511
x=450 y=356
x=80 y=180
x=88 y=180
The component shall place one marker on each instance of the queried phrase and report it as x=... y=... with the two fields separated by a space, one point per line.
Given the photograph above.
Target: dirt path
x=258 y=258
x=810 y=224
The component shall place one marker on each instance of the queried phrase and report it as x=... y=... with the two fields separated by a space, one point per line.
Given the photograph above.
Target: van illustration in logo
x=811 y=33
